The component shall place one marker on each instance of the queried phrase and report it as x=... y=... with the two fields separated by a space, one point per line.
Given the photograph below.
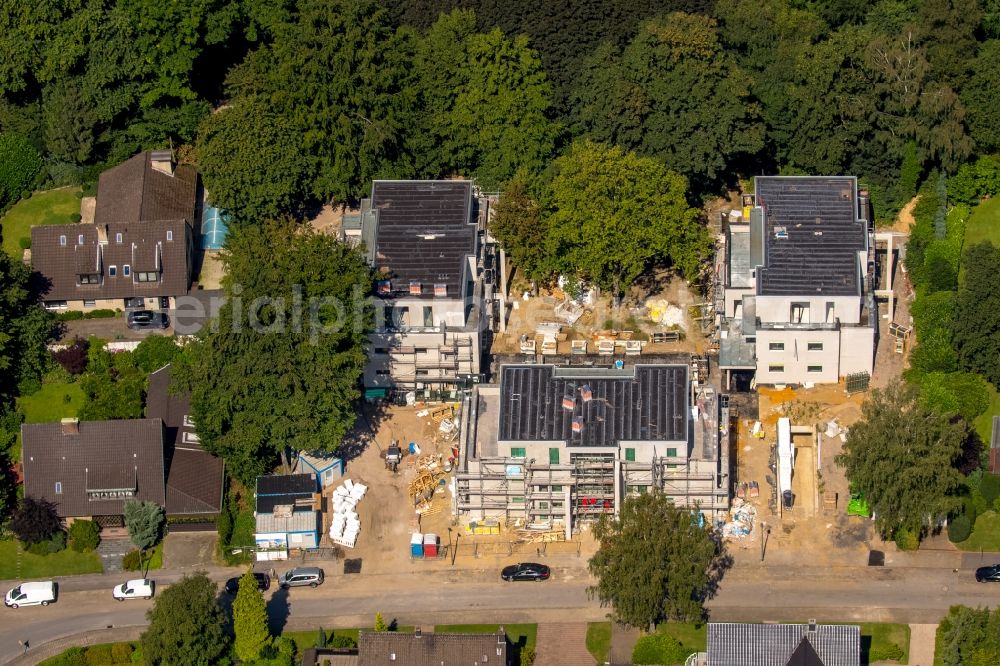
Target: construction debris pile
x=742 y=517
x=345 y=526
x=661 y=312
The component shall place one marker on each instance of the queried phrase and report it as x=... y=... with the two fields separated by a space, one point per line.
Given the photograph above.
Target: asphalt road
x=747 y=594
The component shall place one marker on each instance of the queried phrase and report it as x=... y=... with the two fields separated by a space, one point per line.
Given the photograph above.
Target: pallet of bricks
x=345 y=526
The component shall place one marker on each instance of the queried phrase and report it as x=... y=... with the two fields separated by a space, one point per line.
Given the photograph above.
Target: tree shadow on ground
x=371 y=416
x=278 y=610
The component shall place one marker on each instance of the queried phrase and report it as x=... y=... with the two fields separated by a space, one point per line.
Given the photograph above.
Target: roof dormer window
x=62 y=240
x=384 y=287
x=170 y=234
x=79 y=239
x=118 y=238
x=415 y=289
x=112 y=271
x=440 y=289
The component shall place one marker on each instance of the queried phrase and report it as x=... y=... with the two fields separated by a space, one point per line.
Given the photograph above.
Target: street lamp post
x=454 y=551
x=765 y=532
x=451 y=550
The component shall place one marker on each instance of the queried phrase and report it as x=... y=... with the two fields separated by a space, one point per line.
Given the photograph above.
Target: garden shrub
x=121 y=653
x=24 y=242
x=132 y=560
x=890 y=652
x=959 y=528
x=906 y=539
x=75 y=217
x=73 y=359
x=54 y=544
x=70 y=315
x=658 y=649
x=19 y=166
x=99 y=314
x=989 y=487
x=336 y=641
x=84 y=535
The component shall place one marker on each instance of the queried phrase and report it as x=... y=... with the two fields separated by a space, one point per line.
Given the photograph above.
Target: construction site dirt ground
x=388 y=516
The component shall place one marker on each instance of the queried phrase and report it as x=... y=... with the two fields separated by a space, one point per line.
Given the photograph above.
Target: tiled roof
x=732 y=644
x=377 y=648
x=62 y=252
x=194 y=478
x=134 y=191
x=425 y=233
x=104 y=456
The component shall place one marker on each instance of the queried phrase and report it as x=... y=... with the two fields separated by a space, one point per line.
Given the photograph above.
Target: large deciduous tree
x=521 y=230
x=901 y=455
x=281 y=366
x=35 y=520
x=976 y=325
x=655 y=563
x=186 y=625
x=612 y=214
x=969 y=637
x=250 y=620
x=24 y=328
x=675 y=94
x=979 y=95
x=113 y=387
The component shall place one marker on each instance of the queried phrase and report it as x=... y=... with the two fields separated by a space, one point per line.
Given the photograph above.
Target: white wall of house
x=796 y=356
x=733 y=298
x=151 y=303
x=857 y=349
x=818 y=310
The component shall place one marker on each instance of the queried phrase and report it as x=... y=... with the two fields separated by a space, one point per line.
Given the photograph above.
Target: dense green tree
x=35 y=520
x=340 y=72
x=964 y=393
x=976 y=180
x=655 y=563
x=84 y=535
x=979 y=95
x=19 y=165
x=901 y=457
x=969 y=637
x=154 y=352
x=24 y=328
x=253 y=163
x=948 y=28
x=299 y=300
x=250 y=620
x=976 y=325
x=521 y=230
x=145 y=522
x=655 y=97
x=113 y=387
x=186 y=625
x=611 y=215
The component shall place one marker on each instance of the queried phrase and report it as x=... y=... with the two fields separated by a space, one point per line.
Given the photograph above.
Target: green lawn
x=984 y=422
x=49 y=404
x=693 y=636
x=984 y=223
x=599 y=640
x=156 y=557
x=985 y=534
x=883 y=640
x=51 y=207
x=25 y=566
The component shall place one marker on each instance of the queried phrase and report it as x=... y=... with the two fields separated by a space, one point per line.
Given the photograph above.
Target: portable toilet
x=430 y=545
x=417 y=545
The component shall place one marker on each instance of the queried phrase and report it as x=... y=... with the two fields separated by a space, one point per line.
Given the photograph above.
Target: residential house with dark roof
x=796 y=287
x=735 y=644
x=432 y=649
x=89 y=469
x=287 y=514
x=562 y=445
x=139 y=251
x=435 y=295
x=195 y=479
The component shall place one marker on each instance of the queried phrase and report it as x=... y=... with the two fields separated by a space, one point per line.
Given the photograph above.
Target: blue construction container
x=417 y=545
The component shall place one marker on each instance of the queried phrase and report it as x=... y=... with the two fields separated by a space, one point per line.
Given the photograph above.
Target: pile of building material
x=742 y=518
x=661 y=312
x=345 y=526
x=532 y=534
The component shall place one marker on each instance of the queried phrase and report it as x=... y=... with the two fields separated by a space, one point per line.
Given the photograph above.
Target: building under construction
x=558 y=445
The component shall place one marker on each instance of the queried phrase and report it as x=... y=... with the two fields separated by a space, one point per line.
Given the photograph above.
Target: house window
x=799 y=313
x=190 y=438
x=112 y=271
x=58 y=487
x=381 y=350
x=90 y=278
x=428 y=316
x=382 y=372
x=815 y=346
x=776 y=346
x=543 y=505
x=62 y=240
x=188 y=423
x=146 y=277
x=630 y=455
x=126 y=270
x=517 y=452
x=554 y=455
x=558 y=505
x=415 y=289
x=79 y=239
x=440 y=289
x=671 y=452
x=118 y=238
x=170 y=235
x=420 y=350
x=776 y=368
x=557 y=489
x=814 y=368
x=90 y=304
x=830 y=312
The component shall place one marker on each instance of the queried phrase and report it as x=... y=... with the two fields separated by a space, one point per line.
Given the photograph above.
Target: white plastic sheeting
x=786 y=455
x=345 y=525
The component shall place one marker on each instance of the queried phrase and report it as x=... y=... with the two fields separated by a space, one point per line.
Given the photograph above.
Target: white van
x=31 y=594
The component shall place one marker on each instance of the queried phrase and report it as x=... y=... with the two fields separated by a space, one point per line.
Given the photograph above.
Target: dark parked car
x=143 y=319
x=525 y=571
x=988 y=574
x=263 y=582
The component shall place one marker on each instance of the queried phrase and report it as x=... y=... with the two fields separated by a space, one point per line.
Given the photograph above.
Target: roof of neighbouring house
x=195 y=478
x=637 y=404
x=104 y=456
x=63 y=252
x=319 y=460
x=283 y=489
x=330 y=657
x=134 y=191
x=431 y=649
x=425 y=230
x=812 y=236
x=297 y=521
x=735 y=644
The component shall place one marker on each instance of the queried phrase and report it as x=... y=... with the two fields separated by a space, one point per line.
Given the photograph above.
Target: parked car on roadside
x=140 y=588
x=302 y=576
x=525 y=571
x=988 y=574
x=40 y=593
x=147 y=319
x=263 y=583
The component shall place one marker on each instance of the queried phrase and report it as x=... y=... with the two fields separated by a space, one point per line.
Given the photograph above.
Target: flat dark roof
x=275 y=490
x=641 y=403
x=819 y=216
x=425 y=232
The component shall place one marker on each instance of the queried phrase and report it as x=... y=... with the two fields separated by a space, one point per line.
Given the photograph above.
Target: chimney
x=162 y=161
x=70 y=426
x=417 y=632
x=812 y=626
